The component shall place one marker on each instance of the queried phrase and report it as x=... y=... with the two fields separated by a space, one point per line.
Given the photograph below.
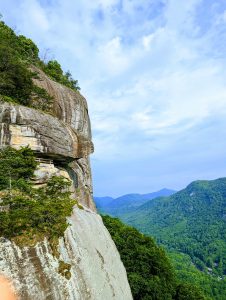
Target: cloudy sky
x=154 y=75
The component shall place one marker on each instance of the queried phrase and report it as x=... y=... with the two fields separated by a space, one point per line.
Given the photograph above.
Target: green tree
x=53 y=69
x=188 y=292
x=15 y=78
x=28 y=212
x=71 y=82
x=16 y=84
x=28 y=49
x=16 y=166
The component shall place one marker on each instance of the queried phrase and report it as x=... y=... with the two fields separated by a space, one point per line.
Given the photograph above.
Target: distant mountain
x=127 y=203
x=192 y=223
x=102 y=201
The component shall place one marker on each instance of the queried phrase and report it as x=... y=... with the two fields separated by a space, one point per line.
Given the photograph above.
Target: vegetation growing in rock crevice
x=29 y=214
x=149 y=271
x=17 y=55
x=64 y=269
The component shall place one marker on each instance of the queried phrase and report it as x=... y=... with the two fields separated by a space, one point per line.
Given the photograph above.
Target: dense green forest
x=191 y=225
x=150 y=273
x=17 y=55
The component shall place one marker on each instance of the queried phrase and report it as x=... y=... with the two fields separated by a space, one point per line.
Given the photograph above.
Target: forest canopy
x=149 y=271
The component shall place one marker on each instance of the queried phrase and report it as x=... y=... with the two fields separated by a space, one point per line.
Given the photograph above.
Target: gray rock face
x=21 y=126
x=44 y=133
x=96 y=271
x=88 y=266
x=69 y=106
x=50 y=138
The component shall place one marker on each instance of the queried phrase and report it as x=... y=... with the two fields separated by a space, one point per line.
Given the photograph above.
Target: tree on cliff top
x=15 y=78
x=27 y=53
x=54 y=70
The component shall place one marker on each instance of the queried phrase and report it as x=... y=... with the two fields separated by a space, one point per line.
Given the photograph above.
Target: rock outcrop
x=88 y=266
x=88 y=255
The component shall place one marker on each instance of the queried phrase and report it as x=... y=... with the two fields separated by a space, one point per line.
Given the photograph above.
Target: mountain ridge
x=114 y=206
x=190 y=223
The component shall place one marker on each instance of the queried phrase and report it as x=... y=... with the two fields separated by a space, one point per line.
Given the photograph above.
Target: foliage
x=53 y=69
x=149 y=271
x=64 y=269
x=16 y=83
x=28 y=49
x=191 y=222
x=16 y=166
x=38 y=211
x=41 y=99
x=24 y=48
x=31 y=212
x=15 y=78
x=188 y=292
x=17 y=55
x=188 y=273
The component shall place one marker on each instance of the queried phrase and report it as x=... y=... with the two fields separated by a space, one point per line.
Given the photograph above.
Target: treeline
x=17 y=55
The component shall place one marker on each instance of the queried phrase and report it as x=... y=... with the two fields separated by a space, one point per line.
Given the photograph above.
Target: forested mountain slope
x=150 y=273
x=191 y=222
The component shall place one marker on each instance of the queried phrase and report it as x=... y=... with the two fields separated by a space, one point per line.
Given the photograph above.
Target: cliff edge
x=88 y=265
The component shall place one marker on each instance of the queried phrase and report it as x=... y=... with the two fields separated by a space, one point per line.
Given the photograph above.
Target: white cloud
x=153 y=73
x=107 y=3
x=150 y=39
x=35 y=14
x=112 y=56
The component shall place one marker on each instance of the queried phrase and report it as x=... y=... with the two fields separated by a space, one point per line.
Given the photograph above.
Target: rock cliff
x=87 y=250
x=88 y=265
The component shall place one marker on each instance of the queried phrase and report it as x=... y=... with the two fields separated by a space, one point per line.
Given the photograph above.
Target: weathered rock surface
x=89 y=266
x=50 y=138
x=96 y=271
x=69 y=106
x=44 y=133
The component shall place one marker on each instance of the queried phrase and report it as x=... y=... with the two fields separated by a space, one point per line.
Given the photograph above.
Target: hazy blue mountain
x=127 y=203
x=103 y=201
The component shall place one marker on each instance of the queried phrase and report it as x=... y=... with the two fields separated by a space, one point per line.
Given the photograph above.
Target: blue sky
x=154 y=75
